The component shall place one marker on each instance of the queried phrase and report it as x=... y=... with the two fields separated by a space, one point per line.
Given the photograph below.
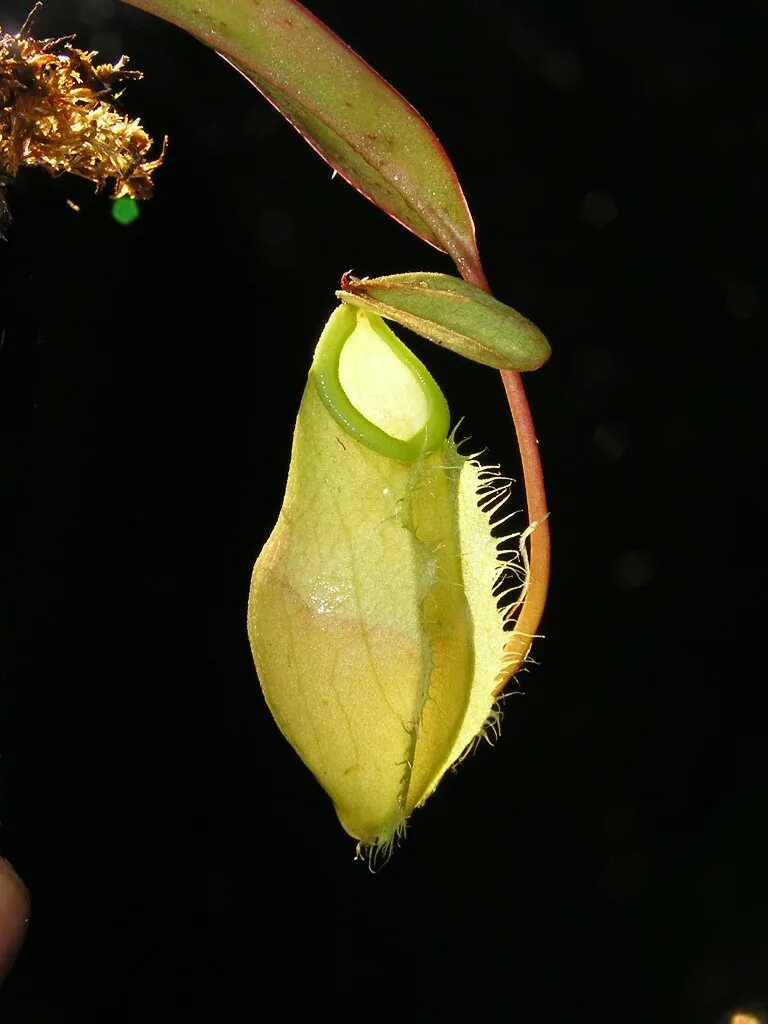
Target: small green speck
x=125 y=211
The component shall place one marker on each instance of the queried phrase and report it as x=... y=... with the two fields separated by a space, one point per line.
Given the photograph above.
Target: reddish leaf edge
x=463 y=252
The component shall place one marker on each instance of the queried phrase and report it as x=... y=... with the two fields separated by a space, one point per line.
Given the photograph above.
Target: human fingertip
x=14 y=915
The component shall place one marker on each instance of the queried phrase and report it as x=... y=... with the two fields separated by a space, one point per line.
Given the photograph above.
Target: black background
x=606 y=861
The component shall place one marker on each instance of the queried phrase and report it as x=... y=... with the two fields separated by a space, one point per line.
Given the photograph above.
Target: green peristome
x=454 y=314
x=350 y=115
x=372 y=616
x=395 y=385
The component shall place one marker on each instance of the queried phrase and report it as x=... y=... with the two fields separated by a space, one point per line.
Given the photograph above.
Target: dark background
x=607 y=860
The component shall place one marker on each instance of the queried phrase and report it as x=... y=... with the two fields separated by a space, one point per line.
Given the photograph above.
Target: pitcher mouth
x=376 y=389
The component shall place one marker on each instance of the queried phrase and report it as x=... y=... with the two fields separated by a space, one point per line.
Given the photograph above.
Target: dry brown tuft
x=56 y=113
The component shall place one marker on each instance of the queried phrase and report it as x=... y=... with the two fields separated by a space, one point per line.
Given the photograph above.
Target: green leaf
x=452 y=313
x=354 y=119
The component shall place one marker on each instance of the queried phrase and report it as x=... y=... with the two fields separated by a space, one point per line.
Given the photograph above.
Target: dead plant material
x=56 y=112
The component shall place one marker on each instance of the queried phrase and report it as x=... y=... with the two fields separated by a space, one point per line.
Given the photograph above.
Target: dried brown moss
x=56 y=112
